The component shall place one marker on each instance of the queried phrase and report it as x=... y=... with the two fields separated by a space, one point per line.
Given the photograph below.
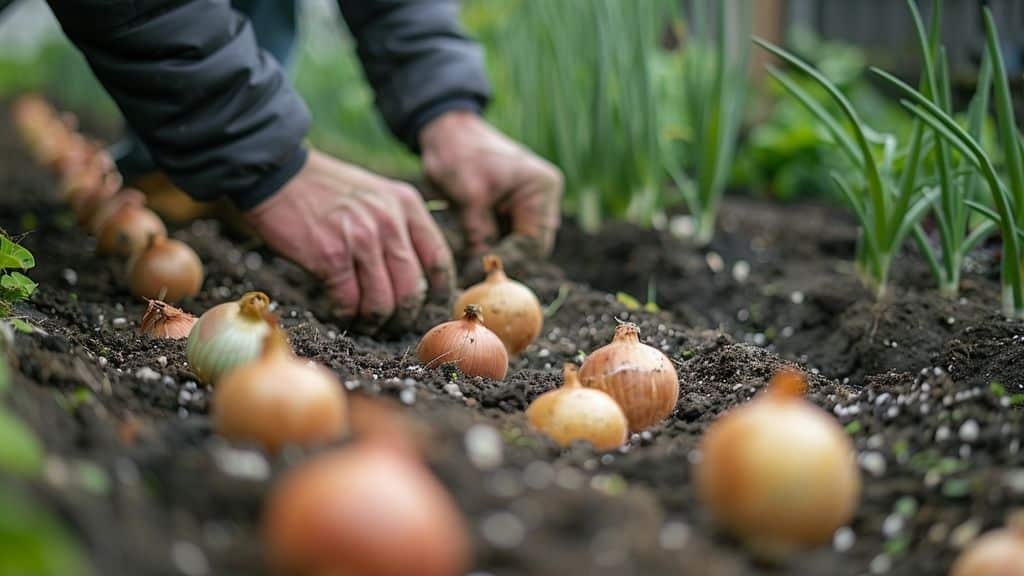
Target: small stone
x=880 y=564
x=162 y=361
x=674 y=535
x=544 y=353
x=503 y=530
x=408 y=396
x=963 y=534
x=892 y=525
x=189 y=559
x=452 y=389
x=101 y=361
x=146 y=373
x=969 y=430
x=538 y=475
x=239 y=463
x=741 y=271
x=942 y=433
x=1014 y=480
x=484 y=446
x=715 y=262
x=844 y=539
x=873 y=463
x=69 y=276
x=119 y=322
x=796 y=297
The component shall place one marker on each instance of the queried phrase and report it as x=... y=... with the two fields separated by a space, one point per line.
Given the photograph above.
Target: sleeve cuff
x=272 y=182
x=431 y=112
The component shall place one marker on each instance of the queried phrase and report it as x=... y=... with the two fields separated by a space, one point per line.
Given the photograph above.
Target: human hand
x=486 y=176
x=370 y=239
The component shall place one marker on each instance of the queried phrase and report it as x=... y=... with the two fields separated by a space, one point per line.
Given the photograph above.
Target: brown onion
x=996 y=553
x=640 y=378
x=228 y=335
x=86 y=202
x=279 y=399
x=162 y=320
x=166 y=269
x=779 y=472
x=468 y=344
x=123 y=225
x=510 y=309
x=367 y=511
x=573 y=413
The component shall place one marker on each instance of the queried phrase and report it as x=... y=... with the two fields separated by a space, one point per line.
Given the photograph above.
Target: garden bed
x=927 y=388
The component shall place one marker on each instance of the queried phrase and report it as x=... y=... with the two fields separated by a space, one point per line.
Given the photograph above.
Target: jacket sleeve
x=418 y=60
x=216 y=112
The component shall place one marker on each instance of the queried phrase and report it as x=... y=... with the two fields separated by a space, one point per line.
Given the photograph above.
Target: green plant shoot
x=14 y=285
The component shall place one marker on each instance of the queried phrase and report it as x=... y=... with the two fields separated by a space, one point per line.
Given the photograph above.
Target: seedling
x=1008 y=194
x=14 y=285
x=887 y=205
x=715 y=89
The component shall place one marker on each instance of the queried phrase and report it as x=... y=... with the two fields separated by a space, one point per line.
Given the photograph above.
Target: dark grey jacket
x=219 y=115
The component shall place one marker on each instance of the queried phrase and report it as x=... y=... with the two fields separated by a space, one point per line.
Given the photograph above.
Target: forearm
x=418 y=60
x=217 y=114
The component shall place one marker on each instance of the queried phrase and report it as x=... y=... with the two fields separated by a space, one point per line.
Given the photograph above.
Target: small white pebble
x=797 y=297
x=503 y=530
x=674 y=535
x=69 y=276
x=146 y=373
x=408 y=396
x=162 y=361
x=969 y=430
x=715 y=262
x=880 y=564
x=189 y=559
x=119 y=322
x=844 y=539
x=741 y=271
x=873 y=463
x=484 y=446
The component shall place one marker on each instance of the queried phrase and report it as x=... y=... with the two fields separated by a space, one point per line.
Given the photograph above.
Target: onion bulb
x=166 y=269
x=162 y=320
x=228 y=335
x=381 y=421
x=123 y=225
x=86 y=202
x=367 y=511
x=468 y=344
x=573 y=413
x=779 y=472
x=996 y=553
x=640 y=378
x=510 y=309
x=279 y=399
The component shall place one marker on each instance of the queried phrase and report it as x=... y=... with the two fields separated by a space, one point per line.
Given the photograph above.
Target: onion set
x=572 y=413
x=510 y=309
x=228 y=335
x=123 y=225
x=466 y=343
x=166 y=269
x=639 y=377
x=279 y=399
x=162 y=320
x=996 y=553
x=367 y=511
x=779 y=472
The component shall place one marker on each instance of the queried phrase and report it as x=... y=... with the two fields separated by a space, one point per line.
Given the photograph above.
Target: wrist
x=445 y=127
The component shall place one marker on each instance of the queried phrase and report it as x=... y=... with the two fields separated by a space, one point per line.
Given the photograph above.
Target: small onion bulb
x=468 y=344
x=228 y=335
x=279 y=399
x=365 y=510
x=996 y=553
x=123 y=225
x=510 y=309
x=639 y=377
x=166 y=269
x=573 y=413
x=162 y=320
x=779 y=472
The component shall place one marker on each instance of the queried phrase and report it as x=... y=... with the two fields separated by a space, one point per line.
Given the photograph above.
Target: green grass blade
x=1005 y=117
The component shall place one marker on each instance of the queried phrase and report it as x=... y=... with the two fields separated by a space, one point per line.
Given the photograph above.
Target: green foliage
x=14 y=286
x=574 y=80
x=1007 y=193
x=715 y=88
x=884 y=197
x=32 y=541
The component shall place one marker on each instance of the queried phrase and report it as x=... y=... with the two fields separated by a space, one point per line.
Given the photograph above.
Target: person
x=217 y=114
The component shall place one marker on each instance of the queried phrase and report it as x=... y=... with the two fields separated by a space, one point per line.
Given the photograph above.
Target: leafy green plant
x=886 y=204
x=715 y=90
x=14 y=286
x=957 y=182
x=1008 y=193
x=585 y=70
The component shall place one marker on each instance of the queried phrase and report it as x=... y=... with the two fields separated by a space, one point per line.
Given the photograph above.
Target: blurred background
x=606 y=89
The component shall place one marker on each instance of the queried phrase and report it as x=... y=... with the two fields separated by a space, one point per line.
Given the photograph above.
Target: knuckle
x=362 y=233
x=406 y=194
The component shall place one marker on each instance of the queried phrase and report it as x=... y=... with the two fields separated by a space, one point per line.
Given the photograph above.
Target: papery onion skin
x=228 y=335
x=123 y=225
x=367 y=511
x=166 y=270
x=279 y=399
x=639 y=377
x=778 y=472
x=510 y=309
x=995 y=553
x=574 y=413
x=466 y=343
x=162 y=320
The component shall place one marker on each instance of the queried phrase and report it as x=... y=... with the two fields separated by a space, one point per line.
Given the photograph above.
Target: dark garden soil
x=929 y=389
